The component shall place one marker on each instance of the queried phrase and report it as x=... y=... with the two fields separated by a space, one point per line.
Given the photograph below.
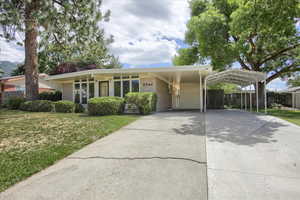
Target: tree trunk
x=261 y=95
x=31 y=57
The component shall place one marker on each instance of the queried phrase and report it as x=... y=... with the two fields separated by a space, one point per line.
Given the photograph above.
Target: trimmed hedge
x=79 y=108
x=14 y=102
x=64 y=106
x=145 y=101
x=51 y=96
x=37 y=106
x=105 y=105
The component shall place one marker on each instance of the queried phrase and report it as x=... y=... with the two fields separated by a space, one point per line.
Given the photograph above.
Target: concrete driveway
x=161 y=156
x=252 y=157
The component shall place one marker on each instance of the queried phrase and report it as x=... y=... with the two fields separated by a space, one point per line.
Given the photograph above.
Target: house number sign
x=148 y=84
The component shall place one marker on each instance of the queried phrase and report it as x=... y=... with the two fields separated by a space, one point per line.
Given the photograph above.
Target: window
x=83 y=90
x=84 y=93
x=77 y=96
x=125 y=84
x=135 y=85
x=117 y=86
x=126 y=87
x=91 y=90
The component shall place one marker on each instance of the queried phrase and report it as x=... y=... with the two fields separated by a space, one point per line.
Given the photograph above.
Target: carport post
x=201 y=93
x=256 y=91
x=241 y=98
x=246 y=99
x=293 y=100
x=205 y=95
x=265 y=96
x=250 y=99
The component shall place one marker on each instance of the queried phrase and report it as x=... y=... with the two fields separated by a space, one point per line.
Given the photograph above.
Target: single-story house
x=180 y=87
x=176 y=87
x=15 y=85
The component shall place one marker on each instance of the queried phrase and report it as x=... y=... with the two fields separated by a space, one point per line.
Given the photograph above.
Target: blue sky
x=146 y=33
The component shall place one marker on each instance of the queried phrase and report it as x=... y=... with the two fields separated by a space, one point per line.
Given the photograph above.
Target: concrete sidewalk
x=252 y=156
x=161 y=156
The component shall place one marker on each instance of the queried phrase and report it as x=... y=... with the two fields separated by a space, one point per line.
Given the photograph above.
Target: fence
x=215 y=99
x=284 y=98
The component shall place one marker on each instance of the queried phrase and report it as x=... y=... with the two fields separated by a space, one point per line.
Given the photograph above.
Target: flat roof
x=236 y=76
x=132 y=70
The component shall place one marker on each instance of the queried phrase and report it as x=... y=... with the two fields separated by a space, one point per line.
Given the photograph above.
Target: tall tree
x=45 y=21
x=294 y=81
x=260 y=35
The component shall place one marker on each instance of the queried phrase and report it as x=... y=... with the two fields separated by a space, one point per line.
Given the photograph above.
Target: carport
x=243 y=78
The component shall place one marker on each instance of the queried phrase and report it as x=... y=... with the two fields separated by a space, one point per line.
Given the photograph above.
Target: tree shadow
x=234 y=126
x=240 y=127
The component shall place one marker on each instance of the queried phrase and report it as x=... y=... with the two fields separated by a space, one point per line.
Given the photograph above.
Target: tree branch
x=243 y=64
x=278 y=53
x=283 y=71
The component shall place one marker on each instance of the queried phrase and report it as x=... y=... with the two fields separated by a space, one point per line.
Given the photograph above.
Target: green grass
x=288 y=115
x=30 y=142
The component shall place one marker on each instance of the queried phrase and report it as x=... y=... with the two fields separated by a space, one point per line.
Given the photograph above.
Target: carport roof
x=236 y=76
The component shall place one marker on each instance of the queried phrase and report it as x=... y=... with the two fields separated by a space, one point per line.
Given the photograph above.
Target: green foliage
x=79 y=108
x=20 y=70
x=145 y=101
x=227 y=87
x=105 y=105
x=294 y=82
x=37 y=106
x=186 y=56
x=51 y=96
x=64 y=106
x=66 y=30
x=260 y=35
x=14 y=102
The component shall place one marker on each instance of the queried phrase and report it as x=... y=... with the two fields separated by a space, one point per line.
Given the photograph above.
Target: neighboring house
x=295 y=96
x=176 y=87
x=294 y=89
x=15 y=85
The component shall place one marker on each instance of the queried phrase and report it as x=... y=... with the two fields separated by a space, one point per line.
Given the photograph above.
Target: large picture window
x=125 y=84
x=135 y=85
x=83 y=90
x=117 y=86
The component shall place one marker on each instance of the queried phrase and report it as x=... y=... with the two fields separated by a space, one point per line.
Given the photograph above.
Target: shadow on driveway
x=240 y=127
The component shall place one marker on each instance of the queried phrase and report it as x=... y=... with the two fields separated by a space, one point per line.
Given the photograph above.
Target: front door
x=103 y=88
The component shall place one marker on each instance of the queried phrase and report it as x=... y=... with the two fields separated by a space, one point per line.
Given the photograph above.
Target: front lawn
x=288 y=115
x=30 y=142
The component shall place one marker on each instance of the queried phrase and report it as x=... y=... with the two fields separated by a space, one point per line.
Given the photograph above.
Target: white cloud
x=277 y=85
x=144 y=31
x=11 y=52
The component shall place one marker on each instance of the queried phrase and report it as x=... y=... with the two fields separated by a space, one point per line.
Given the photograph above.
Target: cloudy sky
x=146 y=33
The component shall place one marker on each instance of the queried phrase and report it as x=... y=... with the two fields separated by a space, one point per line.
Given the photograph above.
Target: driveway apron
x=160 y=156
x=252 y=156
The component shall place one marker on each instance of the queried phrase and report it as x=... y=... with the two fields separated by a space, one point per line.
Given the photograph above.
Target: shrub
x=105 y=105
x=145 y=101
x=51 y=96
x=14 y=102
x=64 y=106
x=37 y=106
x=79 y=108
